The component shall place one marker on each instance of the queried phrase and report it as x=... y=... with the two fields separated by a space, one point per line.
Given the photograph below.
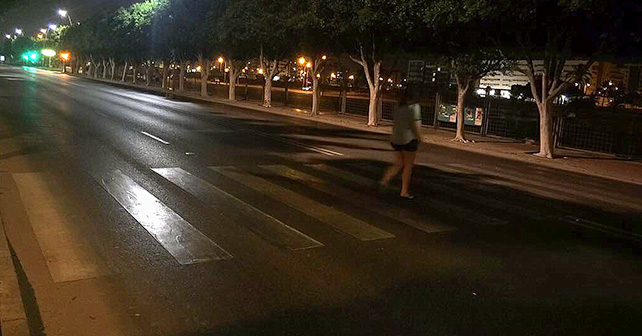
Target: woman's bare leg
x=408 y=162
x=393 y=170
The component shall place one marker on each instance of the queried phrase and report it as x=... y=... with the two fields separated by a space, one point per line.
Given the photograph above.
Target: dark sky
x=30 y=15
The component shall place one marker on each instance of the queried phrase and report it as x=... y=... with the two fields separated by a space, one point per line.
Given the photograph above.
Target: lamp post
x=221 y=62
x=64 y=13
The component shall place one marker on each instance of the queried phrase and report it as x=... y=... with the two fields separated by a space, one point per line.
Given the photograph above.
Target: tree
x=550 y=33
x=369 y=32
x=316 y=32
x=461 y=31
x=236 y=42
x=261 y=25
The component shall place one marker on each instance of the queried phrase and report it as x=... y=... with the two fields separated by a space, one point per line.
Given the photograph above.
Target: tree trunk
x=545 y=129
x=270 y=72
x=373 y=107
x=113 y=68
x=374 y=85
x=165 y=81
x=125 y=72
x=462 y=92
x=148 y=74
x=104 y=68
x=267 y=92
x=134 y=73
x=315 y=96
x=181 y=80
x=234 y=75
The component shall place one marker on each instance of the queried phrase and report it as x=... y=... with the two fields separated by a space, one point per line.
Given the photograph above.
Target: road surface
x=134 y=214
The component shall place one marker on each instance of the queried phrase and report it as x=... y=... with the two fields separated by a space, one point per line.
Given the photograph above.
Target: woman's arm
x=415 y=124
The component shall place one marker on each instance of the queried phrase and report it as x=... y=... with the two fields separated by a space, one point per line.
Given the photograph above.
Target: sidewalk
x=577 y=161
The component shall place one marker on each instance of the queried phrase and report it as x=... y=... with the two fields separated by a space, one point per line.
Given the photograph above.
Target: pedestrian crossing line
x=339 y=220
x=399 y=214
x=68 y=255
x=276 y=138
x=453 y=210
x=548 y=190
x=184 y=242
x=264 y=225
x=487 y=201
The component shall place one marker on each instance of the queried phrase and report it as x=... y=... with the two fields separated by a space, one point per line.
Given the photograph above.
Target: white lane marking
x=329 y=215
x=155 y=138
x=601 y=227
x=264 y=225
x=183 y=241
x=274 y=137
x=68 y=255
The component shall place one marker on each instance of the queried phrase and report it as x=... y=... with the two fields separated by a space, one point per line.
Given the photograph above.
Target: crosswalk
x=296 y=187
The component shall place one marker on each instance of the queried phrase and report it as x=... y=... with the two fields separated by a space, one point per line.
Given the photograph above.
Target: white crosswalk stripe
x=454 y=210
x=348 y=195
x=510 y=179
x=264 y=225
x=339 y=220
x=68 y=255
x=184 y=242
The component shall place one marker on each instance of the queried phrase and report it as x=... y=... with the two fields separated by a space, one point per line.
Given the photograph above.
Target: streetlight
x=7 y=36
x=18 y=31
x=43 y=30
x=221 y=60
x=63 y=13
x=52 y=26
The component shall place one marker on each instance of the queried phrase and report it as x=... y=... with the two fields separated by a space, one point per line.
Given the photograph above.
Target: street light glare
x=302 y=60
x=62 y=12
x=43 y=30
x=220 y=60
x=53 y=26
x=7 y=36
x=18 y=31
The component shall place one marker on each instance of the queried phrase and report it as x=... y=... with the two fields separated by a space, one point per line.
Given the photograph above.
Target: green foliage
x=21 y=45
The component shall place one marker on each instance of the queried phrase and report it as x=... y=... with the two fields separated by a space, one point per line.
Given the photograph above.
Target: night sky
x=30 y=15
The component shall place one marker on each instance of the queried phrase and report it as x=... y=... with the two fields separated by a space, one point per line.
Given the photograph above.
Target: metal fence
x=608 y=130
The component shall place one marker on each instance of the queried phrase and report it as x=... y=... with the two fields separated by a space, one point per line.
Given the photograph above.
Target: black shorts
x=409 y=147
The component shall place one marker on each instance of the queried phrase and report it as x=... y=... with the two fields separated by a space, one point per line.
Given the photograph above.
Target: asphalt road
x=134 y=214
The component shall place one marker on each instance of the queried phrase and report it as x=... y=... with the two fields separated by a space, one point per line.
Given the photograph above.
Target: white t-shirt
x=404 y=117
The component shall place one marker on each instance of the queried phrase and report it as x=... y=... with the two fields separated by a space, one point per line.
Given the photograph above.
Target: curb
x=13 y=320
x=526 y=158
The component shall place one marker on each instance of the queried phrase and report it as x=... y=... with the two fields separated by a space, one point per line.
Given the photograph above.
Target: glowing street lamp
x=43 y=30
x=221 y=60
x=18 y=31
x=52 y=26
x=324 y=57
x=48 y=52
x=301 y=60
x=65 y=56
x=309 y=65
x=63 y=13
x=7 y=36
